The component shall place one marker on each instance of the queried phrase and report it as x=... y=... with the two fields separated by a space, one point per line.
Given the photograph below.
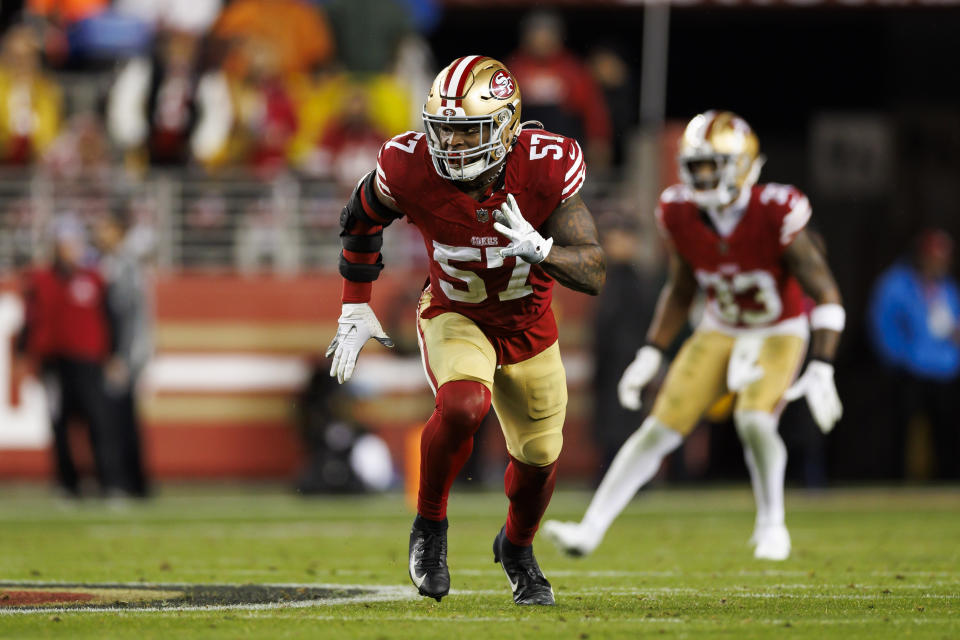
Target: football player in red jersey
x=501 y=217
x=745 y=246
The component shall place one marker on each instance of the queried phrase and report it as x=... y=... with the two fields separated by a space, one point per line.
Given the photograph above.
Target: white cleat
x=773 y=543
x=572 y=538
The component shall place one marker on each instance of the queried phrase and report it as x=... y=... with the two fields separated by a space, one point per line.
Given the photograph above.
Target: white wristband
x=828 y=316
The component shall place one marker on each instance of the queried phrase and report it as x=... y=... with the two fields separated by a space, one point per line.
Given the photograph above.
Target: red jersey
x=467 y=275
x=740 y=266
x=66 y=315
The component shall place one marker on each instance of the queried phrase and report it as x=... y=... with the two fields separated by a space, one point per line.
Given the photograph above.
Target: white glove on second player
x=743 y=370
x=357 y=324
x=817 y=385
x=636 y=376
x=525 y=241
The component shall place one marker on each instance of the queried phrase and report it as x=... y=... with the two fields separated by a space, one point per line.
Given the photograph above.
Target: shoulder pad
x=392 y=160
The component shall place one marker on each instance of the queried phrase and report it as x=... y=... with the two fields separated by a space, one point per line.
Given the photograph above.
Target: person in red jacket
x=68 y=335
x=558 y=89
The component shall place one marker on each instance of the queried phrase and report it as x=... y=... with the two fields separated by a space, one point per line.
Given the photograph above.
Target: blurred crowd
x=272 y=85
x=102 y=97
x=268 y=85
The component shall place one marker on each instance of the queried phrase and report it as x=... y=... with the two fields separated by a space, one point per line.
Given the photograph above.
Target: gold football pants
x=530 y=397
x=697 y=378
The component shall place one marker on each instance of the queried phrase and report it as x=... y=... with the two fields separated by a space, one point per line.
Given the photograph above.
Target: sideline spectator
x=130 y=308
x=68 y=334
x=30 y=102
x=914 y=321
x=558 y=89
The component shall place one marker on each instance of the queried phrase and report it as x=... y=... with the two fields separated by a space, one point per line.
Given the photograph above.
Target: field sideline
x=867 y=563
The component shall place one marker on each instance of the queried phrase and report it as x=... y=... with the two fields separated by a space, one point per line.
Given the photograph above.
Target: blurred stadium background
x=233 y=184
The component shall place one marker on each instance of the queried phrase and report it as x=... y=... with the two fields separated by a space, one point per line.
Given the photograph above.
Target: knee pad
x=541 y=450
x=754 y=423
x=653 y=435
x=463 y=404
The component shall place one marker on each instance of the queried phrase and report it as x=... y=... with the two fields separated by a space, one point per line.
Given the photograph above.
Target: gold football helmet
x=476 y=92
x=719 y=158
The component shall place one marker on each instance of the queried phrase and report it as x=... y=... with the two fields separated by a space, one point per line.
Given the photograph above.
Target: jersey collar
x=725 y=220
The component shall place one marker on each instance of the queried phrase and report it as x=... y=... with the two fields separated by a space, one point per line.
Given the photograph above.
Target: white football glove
x=636 y=376
x=817 y=385
x=743 y=370
x=357 y=324
x=525 y=242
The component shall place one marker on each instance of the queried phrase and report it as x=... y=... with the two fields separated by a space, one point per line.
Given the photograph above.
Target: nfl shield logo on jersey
x=483 y=215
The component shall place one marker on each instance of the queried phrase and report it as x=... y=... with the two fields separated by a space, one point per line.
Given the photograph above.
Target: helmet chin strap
x=493 y=176
x=726 y=200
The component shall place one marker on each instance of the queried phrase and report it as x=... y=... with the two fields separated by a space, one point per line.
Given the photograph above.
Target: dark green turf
x=866 y=564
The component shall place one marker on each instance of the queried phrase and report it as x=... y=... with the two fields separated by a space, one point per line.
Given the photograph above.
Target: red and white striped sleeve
x=392 y=162
x=575 y=172
x=796 y=218
x=382 y=178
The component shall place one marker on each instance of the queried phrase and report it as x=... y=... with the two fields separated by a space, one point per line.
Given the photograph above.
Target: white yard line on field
x=714 y=593
x=583 y=573
x=513 y=621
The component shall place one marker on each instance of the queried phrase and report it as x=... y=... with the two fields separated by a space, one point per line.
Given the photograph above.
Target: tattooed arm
x=576 y=260
x=809 y=267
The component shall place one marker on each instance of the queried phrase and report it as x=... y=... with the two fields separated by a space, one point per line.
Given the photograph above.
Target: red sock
x=529 y=489
x=447 y=441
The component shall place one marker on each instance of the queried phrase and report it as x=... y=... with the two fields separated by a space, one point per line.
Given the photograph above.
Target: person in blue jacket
x=914 y=319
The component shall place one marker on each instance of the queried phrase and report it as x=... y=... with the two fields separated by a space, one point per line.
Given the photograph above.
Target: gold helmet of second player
x=719 y=158
x=477 y=95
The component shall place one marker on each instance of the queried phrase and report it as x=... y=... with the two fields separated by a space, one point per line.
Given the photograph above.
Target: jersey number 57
x=476 y=290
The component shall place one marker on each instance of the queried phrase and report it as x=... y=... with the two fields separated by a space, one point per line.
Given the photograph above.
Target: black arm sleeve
x=362 y=221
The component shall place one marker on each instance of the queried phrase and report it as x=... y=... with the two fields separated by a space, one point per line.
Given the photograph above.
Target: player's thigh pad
x=454 y=348
x=696 y=379
x=530 y=399
x=780 y=357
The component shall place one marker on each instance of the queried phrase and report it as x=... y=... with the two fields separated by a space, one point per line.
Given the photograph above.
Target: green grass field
x=866 y=564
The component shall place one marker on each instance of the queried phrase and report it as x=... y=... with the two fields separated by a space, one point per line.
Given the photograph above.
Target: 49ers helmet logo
x=449 y=112
x=501 y=85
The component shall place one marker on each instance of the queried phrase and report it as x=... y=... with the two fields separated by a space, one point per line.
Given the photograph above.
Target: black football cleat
x=526 y=580
x=428 y=558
